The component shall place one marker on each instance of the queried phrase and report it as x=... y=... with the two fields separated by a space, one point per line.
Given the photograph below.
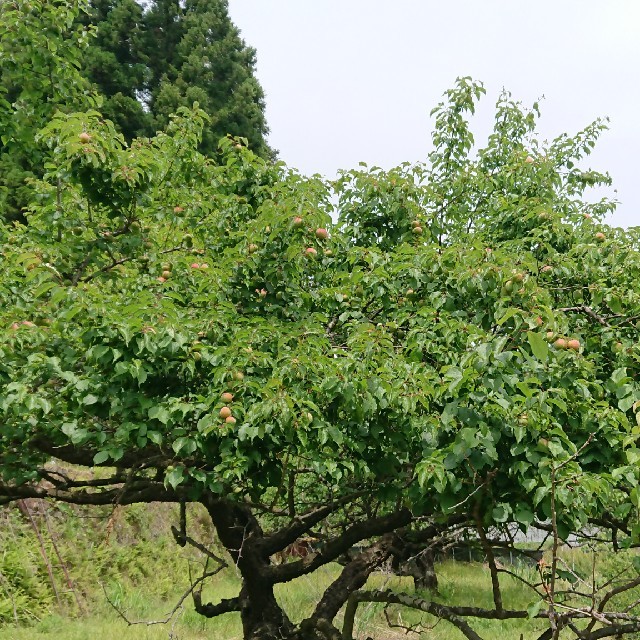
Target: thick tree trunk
x=425 y=577
x=418 y=563
x=262 y=617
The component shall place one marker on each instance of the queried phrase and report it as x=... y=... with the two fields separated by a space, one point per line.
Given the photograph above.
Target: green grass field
x=460 y=583
x=133 y=559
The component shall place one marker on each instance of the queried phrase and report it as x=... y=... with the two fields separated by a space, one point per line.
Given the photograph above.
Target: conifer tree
x=149 y=62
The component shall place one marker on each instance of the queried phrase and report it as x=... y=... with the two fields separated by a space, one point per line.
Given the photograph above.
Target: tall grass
x=130 y=558
x=461 y=583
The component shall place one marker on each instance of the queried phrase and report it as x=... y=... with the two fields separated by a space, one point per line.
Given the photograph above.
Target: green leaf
x=569 y=576
x=534 y=609
x=184 y=445
x=539 y=345
x=174 y=477
x=626 y=403
x=90 y=399
x=155 y=437
x=524 y=515
x=509 y=313
x=501 y=513
x=100 y=457
x=159 y=413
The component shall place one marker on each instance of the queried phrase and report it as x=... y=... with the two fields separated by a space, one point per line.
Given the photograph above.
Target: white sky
x=354 y=80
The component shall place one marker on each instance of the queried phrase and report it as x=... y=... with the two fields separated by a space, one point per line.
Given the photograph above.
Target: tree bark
x=239 y=531
x=418 y=562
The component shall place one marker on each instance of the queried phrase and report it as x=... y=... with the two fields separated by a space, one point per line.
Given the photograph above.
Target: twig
x=588 y=311
x=169 y=616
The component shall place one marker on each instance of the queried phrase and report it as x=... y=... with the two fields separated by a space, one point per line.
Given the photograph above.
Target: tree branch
x=339 y=545
x=588 y=311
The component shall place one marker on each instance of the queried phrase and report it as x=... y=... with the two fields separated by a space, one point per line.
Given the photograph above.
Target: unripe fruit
x=415 y=223
x=574 y=344
x=311 y=252
x=518 y=277
x=167 y=266
x=417 y=230
x=328 y=252
x=323 y=234
x=550 y=336
x=188 y=240
x=600 y=237
x=560 y=343
x=226 y=397
x=238 y=375
x=297 y=221
x=252 y=248
x=546 y=268
x=197 y=356
x=523 y=419
x=166 y=274
x=225 y=412
x=543 y=215
x=230 y=420
x=84 y=137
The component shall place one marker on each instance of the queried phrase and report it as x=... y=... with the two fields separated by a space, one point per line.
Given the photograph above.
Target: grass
x=460 y=583
x=133 y=558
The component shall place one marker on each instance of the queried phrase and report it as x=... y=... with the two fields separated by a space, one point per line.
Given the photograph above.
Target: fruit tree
x=293 y=355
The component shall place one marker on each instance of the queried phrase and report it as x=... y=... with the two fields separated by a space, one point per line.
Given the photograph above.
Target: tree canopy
x=394 y=359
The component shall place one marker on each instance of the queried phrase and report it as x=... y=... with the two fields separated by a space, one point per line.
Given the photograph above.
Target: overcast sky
x=354 y=80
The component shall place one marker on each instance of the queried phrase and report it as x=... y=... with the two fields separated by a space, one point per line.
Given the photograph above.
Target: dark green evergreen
x=116 y=64
x=149 y=61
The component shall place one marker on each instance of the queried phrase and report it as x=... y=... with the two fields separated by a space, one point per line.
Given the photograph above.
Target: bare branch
x=588 y=311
